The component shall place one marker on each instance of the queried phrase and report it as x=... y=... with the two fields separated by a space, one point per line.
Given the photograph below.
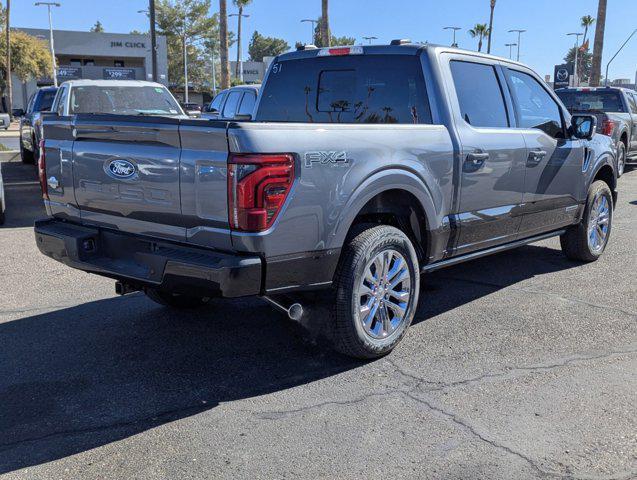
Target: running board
x=489 y=251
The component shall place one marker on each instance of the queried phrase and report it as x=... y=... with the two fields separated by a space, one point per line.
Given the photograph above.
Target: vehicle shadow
x=23 y=197
x=77 y=378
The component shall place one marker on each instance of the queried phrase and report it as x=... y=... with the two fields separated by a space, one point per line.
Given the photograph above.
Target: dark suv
x=31 y=125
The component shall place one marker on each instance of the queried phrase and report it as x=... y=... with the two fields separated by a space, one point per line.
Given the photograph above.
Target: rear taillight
x=257 y=188
x=42 y=171
x=608 y=127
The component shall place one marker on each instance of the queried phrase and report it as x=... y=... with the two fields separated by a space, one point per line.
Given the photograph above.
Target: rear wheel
x=377 y=284
x=175 y=300
x=587 y=240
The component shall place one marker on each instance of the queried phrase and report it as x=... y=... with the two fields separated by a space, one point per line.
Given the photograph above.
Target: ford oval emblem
x=121 y=168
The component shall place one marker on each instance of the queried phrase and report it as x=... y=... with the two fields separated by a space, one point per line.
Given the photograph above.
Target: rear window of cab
x=346 y=89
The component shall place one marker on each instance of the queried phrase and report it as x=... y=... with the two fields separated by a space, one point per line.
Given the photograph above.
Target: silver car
x=233 y=103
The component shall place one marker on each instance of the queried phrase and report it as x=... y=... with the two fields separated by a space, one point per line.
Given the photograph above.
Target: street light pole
x=313 y=24
x=153 y=37
x=49 y=5
x=510 y=45
x=519 y=32
x=620 y=49
x=369 y=39
x=455 y=29
x=239 y=53
x=575 y=69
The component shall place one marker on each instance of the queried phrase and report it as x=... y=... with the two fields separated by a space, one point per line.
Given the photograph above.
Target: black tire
x=26 y=155
x=175 y=300
x=349 y=336
x=575 y=242
x=621 y=159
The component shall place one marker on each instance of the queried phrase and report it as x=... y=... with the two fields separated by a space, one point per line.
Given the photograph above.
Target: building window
x=119 y=63
x=89 y=62
x=76 y=62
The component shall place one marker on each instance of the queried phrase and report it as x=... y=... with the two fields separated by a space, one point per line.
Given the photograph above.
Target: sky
x=543 y=45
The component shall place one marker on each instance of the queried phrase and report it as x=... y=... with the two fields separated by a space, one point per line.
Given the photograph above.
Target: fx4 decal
x=324 y=158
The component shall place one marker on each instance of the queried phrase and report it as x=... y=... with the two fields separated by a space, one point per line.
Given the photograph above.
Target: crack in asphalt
x=542 y=292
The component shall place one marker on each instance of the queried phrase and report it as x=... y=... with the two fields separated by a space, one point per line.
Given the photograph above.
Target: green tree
x=30 y=57
x=98 y=27
x=481 y=30
x=186 y=24
x=584 y=63
x=344 y=40
x=261 y=46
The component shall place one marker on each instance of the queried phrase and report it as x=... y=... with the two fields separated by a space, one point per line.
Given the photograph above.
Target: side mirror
x=242 y=117
x=18 y=112
x=583 y=126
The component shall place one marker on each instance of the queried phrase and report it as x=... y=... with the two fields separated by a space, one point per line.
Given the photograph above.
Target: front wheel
x=621 y=159
x=587 y=240
x=176 y=300
x=377 y=285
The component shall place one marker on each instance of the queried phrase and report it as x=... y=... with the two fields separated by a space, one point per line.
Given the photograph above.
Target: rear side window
x=346 y=89
x=632 y=102
x=230 y=107
x=247 y=104
x=479 y=94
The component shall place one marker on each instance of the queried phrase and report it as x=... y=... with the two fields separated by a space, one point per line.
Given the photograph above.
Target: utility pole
x=223 y=44
x=8 y=69
x=575 y=69
x=49 y=5
x=153 y=37
x=519 y=32
x=239 y=66
x=455 y=29
x=183 y=43
x=313 y=24
x=510 y=45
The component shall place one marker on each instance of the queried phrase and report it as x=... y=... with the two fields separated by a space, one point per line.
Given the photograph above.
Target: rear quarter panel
x=326 y=196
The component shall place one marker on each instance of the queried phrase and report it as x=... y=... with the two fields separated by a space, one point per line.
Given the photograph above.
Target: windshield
x=593 y=100
x=146 y=100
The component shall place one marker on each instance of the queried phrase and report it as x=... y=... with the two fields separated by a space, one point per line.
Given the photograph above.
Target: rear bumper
x=149 y=263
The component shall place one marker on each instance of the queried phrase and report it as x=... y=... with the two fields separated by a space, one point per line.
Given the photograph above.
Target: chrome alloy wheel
x=598 y=223
x=384 y=294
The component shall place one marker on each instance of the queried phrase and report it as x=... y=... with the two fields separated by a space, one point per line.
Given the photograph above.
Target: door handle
x=475 y=160
x=535 y=157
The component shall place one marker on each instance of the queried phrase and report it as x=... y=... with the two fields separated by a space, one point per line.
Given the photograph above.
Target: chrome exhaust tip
x=294 y=311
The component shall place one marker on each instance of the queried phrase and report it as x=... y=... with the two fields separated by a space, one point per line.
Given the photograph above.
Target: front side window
x=215 y=105
x=479 y=94
x=44 y=101
x=346 y=89
x=535 y=107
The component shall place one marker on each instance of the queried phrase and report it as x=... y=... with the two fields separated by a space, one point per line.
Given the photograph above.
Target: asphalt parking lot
x=522 y=365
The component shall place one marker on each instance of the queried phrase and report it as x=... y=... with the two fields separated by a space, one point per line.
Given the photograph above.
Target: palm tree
x=325 y=24
x=598 y=46
x=490 y=26
x=480 y=30
x=587 y=21
x=240 y=4
x=223 y=44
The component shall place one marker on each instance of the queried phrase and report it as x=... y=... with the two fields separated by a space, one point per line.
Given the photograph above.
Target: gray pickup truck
x=364 y=168
x=616 y=113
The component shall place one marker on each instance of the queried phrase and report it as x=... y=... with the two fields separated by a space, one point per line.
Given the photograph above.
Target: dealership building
x=96 y=56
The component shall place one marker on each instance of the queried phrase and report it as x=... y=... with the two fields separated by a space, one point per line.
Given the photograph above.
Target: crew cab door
x=126 y=173
x=554 y=183
x=632 y=106
x=492 y=157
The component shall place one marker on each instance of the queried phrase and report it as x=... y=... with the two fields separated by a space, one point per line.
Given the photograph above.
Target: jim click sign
x=128 y=44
